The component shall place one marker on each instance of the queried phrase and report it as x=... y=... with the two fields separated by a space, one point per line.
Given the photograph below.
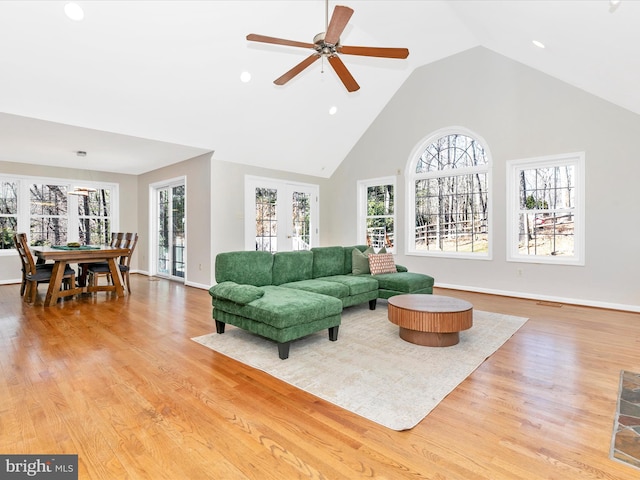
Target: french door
x=280 y=216
x=169 y=231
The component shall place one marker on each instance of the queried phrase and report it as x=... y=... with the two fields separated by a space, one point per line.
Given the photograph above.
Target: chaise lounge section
x=289 y=295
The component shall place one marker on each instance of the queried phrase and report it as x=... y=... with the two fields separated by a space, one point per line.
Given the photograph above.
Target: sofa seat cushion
x=355 y=283
x=406 y=282
x=321 y=286
x=284 y=307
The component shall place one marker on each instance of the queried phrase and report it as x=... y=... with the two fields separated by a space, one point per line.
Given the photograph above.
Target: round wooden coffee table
x=430 y=320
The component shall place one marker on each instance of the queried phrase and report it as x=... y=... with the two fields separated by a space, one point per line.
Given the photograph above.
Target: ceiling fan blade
x=254 y=37
x=296 y=70
x=340 y=68
x=339 y=20
x=375 y=51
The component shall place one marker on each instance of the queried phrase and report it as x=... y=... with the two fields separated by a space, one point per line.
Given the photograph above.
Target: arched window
x=449 y=198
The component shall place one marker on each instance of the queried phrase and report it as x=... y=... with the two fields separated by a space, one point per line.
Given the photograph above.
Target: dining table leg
x=115 y=277
x=55 y=283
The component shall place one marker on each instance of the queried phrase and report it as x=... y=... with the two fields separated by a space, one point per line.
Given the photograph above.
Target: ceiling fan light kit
x=82 y=191
x=327 y=45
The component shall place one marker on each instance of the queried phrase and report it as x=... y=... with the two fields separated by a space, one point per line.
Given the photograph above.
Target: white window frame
x=24 y=203
x=363 y=186
x=154 y=188
x=410 y=193
x=514 y=167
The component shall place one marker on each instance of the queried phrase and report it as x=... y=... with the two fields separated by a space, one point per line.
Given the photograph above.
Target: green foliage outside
x=531 y=203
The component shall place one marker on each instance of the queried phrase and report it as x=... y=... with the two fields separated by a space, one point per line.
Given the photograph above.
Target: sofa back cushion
x=328 y=261
x=292 y=266
x=250 y=268
x=348 y=257
x=360 y=261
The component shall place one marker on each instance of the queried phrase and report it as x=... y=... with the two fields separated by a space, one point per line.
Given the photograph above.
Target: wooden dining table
x=61 y=256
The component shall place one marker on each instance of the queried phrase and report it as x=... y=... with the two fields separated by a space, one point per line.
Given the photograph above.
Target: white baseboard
x=546 y=298
x=187 y=283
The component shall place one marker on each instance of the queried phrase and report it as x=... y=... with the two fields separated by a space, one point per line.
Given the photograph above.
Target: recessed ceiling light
x=74 y=11
x=538 y=44
x=333 y=110
x=245 y=77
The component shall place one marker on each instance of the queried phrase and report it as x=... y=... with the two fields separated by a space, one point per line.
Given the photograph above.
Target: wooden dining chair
x=88 y=270
x=25 y=267
x=95 y=270
x=33 y=274
x=131 y=239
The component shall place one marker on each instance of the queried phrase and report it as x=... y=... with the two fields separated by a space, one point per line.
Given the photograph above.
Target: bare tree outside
x=8 y=213
x=547 y=217
x=94 y=212
x=301 y=221
x=266 y=221
x=48 y=213
x=380 y=216
x=451 y=196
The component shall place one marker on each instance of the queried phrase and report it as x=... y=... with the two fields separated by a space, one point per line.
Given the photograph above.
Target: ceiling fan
x=327 y=45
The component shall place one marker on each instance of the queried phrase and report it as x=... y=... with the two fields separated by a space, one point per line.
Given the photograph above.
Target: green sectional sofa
x=288 y=295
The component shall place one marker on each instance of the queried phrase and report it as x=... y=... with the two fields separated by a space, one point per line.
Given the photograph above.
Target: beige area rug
x=370 y=370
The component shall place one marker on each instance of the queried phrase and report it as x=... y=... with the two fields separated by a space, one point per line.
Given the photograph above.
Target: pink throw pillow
x=381 y=263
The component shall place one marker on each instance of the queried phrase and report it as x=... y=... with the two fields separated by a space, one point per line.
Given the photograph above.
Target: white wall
x=520 y=113
x=198 y=222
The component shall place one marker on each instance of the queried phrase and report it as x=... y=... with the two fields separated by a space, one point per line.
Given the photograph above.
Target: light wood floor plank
x=119 y=382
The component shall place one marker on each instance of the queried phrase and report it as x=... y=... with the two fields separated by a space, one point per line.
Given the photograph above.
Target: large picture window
x=545 y=204
x=56 y=211
x=449 y=196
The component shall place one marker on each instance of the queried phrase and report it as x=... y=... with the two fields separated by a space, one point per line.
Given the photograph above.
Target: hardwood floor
x=120 y=383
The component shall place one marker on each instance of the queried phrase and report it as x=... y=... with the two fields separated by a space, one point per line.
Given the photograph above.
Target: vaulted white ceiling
x=143 y=84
